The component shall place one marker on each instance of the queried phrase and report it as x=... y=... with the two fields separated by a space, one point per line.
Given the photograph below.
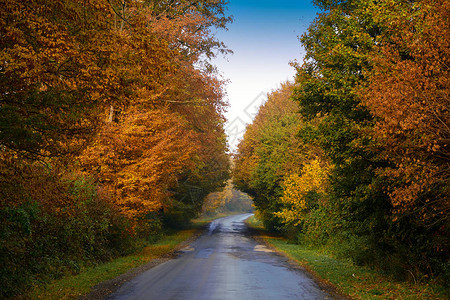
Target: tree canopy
x=111 y=117
x=369 y=177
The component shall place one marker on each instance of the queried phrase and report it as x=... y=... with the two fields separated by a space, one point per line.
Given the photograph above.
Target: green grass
x=356 y=281
x=254 y=223
x=71 y=287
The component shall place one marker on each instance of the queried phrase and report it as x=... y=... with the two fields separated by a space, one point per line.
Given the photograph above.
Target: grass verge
x=72 y=287
x=355 y=281
x=75 y=286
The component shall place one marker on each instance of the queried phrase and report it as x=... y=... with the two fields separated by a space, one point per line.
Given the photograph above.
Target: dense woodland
x=353 y=157
x=111 y=128
x=111 y=131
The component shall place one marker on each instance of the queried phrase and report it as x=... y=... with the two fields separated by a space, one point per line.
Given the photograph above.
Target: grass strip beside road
x=349 y=279
x=75 y=286
x=72 y=287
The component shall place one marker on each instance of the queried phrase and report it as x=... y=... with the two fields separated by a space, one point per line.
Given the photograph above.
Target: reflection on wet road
x=225 y=263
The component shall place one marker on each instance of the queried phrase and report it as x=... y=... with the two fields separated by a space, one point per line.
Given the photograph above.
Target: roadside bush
x=50 y=227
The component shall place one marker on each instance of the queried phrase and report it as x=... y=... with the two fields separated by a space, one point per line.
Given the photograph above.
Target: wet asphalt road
x=224 y=263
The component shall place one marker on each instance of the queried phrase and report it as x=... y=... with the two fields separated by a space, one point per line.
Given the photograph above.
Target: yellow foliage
x=313 y=177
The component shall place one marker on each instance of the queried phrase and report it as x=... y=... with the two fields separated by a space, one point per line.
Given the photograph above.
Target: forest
x=111 y=128
x=112 y=132
x=352 y=157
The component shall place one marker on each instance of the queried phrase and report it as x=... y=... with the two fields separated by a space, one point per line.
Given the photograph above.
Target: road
x=224 y=263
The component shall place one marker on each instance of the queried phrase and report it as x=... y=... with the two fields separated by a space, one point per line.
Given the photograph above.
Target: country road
x=224 y=263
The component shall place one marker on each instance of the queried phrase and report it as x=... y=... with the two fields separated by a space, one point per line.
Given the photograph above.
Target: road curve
x=224 y=263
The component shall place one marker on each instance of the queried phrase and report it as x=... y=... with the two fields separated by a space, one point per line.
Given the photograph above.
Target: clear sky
x=264 y=39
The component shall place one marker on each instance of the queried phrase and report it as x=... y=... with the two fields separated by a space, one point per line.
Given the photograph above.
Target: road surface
x=225 y=263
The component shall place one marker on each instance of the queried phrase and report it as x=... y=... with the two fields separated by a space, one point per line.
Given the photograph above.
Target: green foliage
x=359 y=214
x=266 y=154
x=356 y=281
x=383 y=205
x=74 y=286
x=338 y=45
x=36 y=245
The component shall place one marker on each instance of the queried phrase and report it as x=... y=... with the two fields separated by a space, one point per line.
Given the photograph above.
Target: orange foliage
x=409 y=94
x=139 y=158
x=165 y=119
x=109 y=112
x=54 y=61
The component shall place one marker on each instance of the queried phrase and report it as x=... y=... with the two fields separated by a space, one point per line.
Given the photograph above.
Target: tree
x=408 y=93
x=139 y=159
x=53 y=74
x=338 y=44
x=368 y=83
x=268 y=152
x=109 y=110
x=157 y=62
x=227 y=200
x=301 y=191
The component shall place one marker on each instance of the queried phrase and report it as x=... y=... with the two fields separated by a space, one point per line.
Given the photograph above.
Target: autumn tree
x=371 y=169
x=372 y=79
x=269 y=151
x=408 y=92
x=303 y=191
x=54 y=72
x=227 y=200
x=138 y=159
x=109 y=111
x=161 y=60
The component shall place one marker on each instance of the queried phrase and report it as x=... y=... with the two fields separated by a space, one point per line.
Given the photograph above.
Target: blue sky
x=264 y=39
